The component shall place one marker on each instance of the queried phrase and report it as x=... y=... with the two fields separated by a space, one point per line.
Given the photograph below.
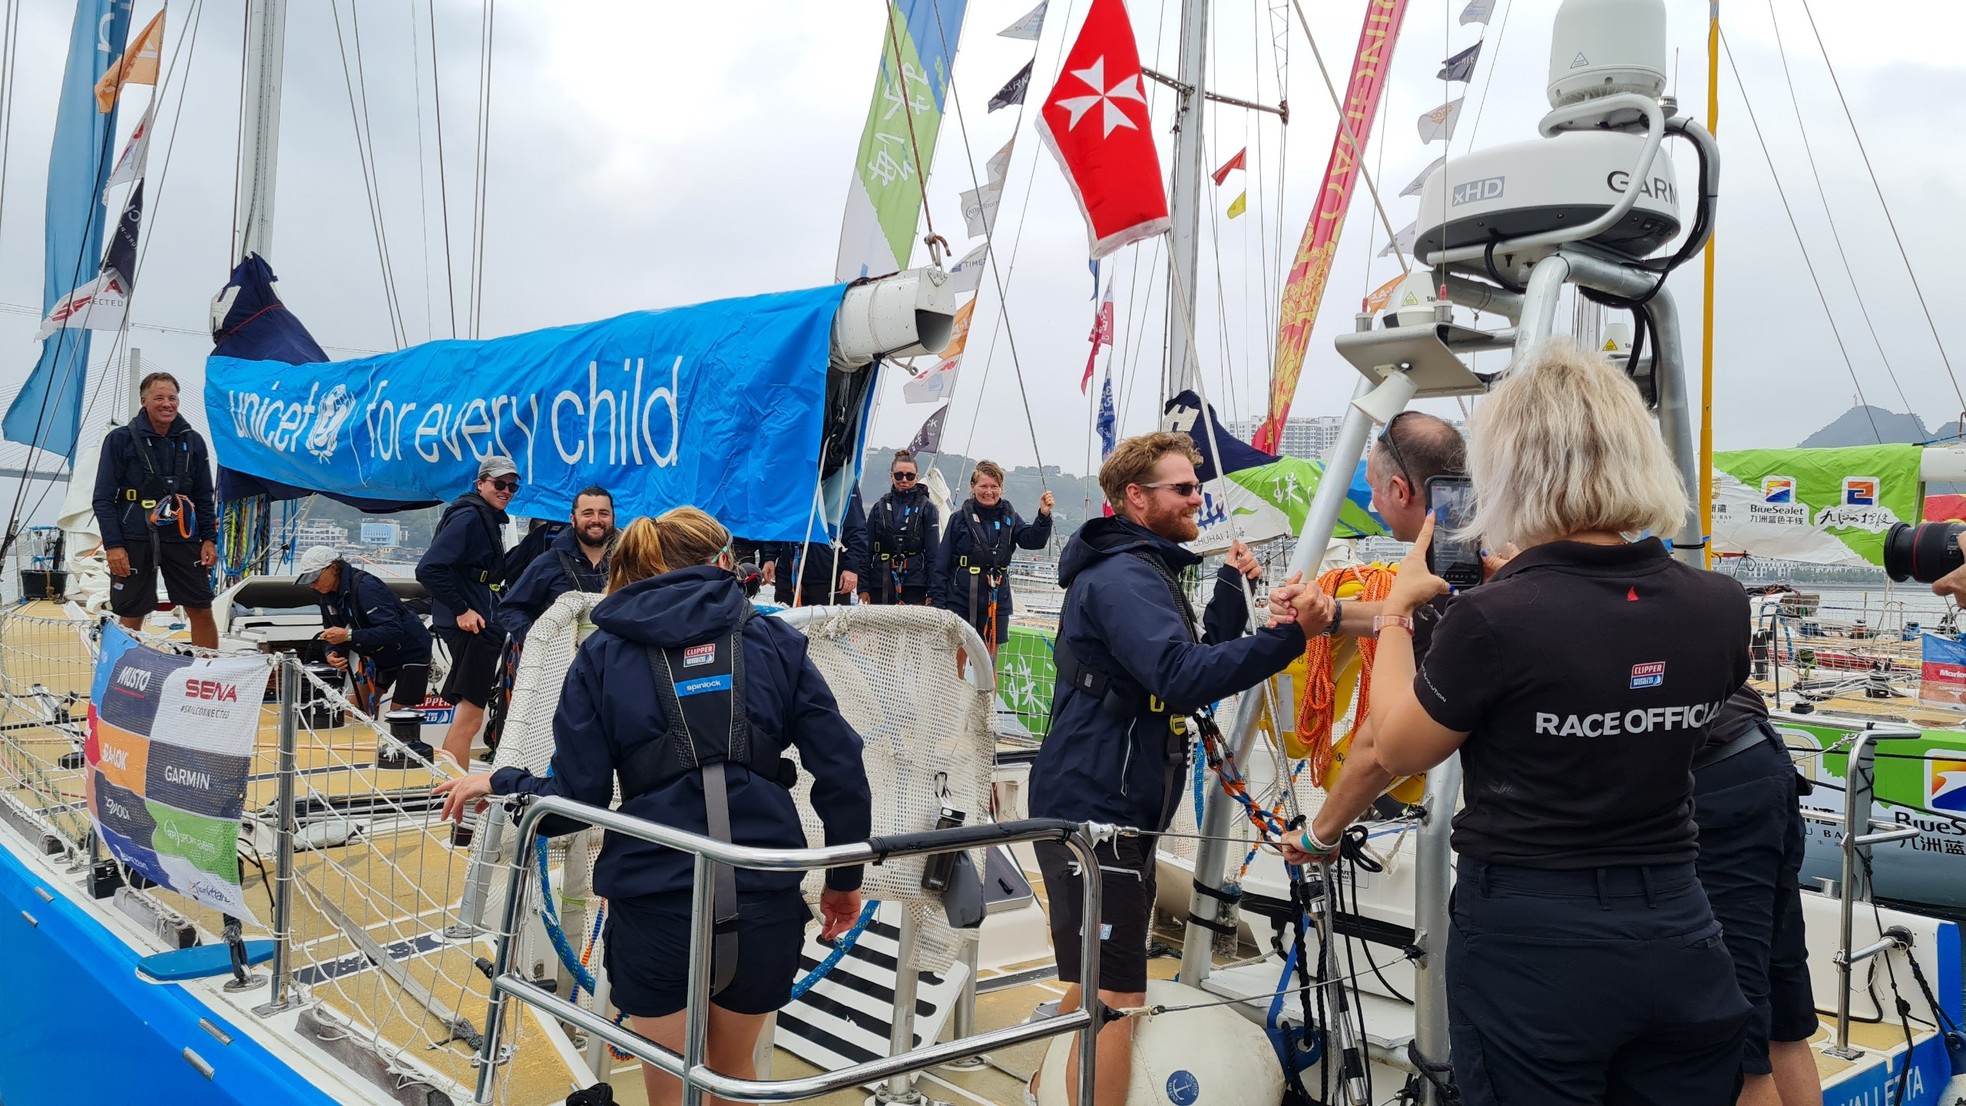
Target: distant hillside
x=1868 y=426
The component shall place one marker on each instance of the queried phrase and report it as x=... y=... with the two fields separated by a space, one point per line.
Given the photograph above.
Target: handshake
x=1303 y=604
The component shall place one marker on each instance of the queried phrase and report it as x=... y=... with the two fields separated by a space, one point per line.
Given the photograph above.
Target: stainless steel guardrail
x=689 y=1066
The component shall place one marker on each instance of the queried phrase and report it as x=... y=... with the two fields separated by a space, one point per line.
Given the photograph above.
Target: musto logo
x=1945 y=784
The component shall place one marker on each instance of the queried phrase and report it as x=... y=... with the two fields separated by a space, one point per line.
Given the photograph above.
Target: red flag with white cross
x=1096 y=121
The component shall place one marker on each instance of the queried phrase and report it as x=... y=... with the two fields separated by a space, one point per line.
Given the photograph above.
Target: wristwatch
x=1381 y=621
x=1337 y=616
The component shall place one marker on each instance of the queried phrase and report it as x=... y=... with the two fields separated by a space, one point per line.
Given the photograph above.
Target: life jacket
x=991 y=544
x=537 y=541
x=582 y=572
x=701 y=689
x=488 y=517
x=161 y=492
x=897 y=533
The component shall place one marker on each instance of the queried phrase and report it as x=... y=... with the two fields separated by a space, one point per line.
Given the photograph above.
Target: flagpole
x=1706 y=303
x=1184 y=198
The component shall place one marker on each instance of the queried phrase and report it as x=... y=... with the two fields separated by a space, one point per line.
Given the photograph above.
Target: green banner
x=1826 y=506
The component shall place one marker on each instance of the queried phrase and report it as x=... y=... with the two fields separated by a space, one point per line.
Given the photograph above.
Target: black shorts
x=406 y=685
x=474 y=664
x=1750 y=860
x=1126 y=905
x=188 y=583
x=647 y=953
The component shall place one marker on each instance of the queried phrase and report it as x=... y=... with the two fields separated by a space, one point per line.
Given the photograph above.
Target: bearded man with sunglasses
x=463 y=571
x=1131 y=669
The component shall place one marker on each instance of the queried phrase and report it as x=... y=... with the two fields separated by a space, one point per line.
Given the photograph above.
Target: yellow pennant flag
x=138 y=65
x=1241 y=205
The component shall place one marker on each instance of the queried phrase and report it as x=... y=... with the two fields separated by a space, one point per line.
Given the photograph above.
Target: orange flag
x=959 y=330
x=138 y=65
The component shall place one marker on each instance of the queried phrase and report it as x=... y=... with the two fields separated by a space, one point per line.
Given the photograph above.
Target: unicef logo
x=1183 y=1088
x=329 y=414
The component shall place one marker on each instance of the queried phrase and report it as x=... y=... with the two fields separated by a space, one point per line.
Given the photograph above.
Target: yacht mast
x=266 y=39
x=1184 y=206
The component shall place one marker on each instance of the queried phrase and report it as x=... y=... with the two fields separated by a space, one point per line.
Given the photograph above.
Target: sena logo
x=211 y=690
x=1649 y=674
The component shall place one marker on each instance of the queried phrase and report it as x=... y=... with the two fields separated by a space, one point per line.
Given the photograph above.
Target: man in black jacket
x=153 y=503
x=577 y=560
x=1131 y=668
x=362 y=615
x=463 y=570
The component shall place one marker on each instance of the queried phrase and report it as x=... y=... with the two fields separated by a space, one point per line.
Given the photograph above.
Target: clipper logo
x=333 y=410
x=1649 y=674
x=697 y=655
x=1860 y=491
x=211 y=691
x=1945 y=784
x=1778 y=489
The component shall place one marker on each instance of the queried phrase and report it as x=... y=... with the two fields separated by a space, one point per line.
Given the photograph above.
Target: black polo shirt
x=1585 y=677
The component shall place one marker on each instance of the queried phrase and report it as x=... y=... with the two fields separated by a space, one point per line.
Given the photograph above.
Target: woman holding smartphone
x=1583 y=963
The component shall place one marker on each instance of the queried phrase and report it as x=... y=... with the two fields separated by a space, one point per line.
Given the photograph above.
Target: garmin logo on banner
x=1474 y=191
x=1652 y=188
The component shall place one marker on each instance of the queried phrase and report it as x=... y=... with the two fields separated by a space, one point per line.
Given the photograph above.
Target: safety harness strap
x=723 y=902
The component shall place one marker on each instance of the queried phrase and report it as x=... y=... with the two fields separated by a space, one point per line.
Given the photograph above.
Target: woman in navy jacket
x=973 y=564
x=672 y=589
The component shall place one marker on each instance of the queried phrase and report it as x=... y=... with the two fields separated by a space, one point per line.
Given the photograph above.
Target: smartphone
x=1455 y=559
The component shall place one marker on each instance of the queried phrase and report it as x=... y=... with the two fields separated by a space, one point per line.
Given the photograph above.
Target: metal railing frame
x=1855 y=881
x=689 y=1066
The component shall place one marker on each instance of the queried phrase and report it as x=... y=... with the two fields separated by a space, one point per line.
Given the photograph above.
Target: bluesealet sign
x=718 y=405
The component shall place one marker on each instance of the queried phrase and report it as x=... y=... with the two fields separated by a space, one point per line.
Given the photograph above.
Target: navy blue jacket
x=1005 y=529
x=608 y=710
x=898 y=521
x=135 y=458
x=1103 y=764
x=466 y=559
x=564 y=567
x=814 y=560
x=381 y=627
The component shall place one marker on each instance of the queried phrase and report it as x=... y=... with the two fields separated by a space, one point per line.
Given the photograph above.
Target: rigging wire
x=1807 y=262
x=996 y=275
x=1345 y=126
x=422 y=177
x=9 y=56
x=481 y=183
x=365 y=155
x=1001 y=323
x=1829 y=213
x=443 y=184
x=1916 y=287
x=185 y=50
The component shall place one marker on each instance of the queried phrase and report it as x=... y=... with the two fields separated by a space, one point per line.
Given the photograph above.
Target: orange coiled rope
x=1319 y=707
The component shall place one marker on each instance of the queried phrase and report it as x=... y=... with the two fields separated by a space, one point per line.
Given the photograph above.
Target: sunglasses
x=1392 y=449
x=902 y=477
x=506 y=485
x=1184 y=489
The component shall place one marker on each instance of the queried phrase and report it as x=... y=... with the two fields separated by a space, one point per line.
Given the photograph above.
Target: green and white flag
x=897 y=146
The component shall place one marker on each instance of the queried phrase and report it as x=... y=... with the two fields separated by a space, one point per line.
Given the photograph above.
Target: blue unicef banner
x=718 y=405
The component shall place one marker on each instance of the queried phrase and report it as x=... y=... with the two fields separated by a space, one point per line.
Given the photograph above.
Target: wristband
x=1309 y=843
x=1380 y=622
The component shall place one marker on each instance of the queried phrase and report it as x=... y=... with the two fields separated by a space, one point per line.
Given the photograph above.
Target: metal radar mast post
x=1594 y=203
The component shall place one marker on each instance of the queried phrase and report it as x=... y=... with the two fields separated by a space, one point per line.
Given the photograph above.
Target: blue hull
x=79 y=1026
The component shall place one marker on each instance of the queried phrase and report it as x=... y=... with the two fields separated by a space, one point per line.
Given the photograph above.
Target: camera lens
x=1924 y=552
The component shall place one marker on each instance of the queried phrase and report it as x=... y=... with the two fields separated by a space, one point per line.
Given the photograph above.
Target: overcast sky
x=647 y=155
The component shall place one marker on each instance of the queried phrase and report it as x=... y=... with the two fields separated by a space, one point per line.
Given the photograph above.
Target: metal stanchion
x=280 y=995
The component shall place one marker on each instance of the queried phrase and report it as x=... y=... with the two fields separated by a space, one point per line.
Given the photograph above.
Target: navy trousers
x=1596 y=986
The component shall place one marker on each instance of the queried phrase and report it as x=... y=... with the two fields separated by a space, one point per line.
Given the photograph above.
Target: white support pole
x=1184 y=198
x=266 y=41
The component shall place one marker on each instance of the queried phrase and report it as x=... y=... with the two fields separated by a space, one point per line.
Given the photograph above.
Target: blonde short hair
x=1565 y=445
x=986 y=468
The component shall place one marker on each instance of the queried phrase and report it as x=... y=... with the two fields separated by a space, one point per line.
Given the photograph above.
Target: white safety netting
x=893 y=669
